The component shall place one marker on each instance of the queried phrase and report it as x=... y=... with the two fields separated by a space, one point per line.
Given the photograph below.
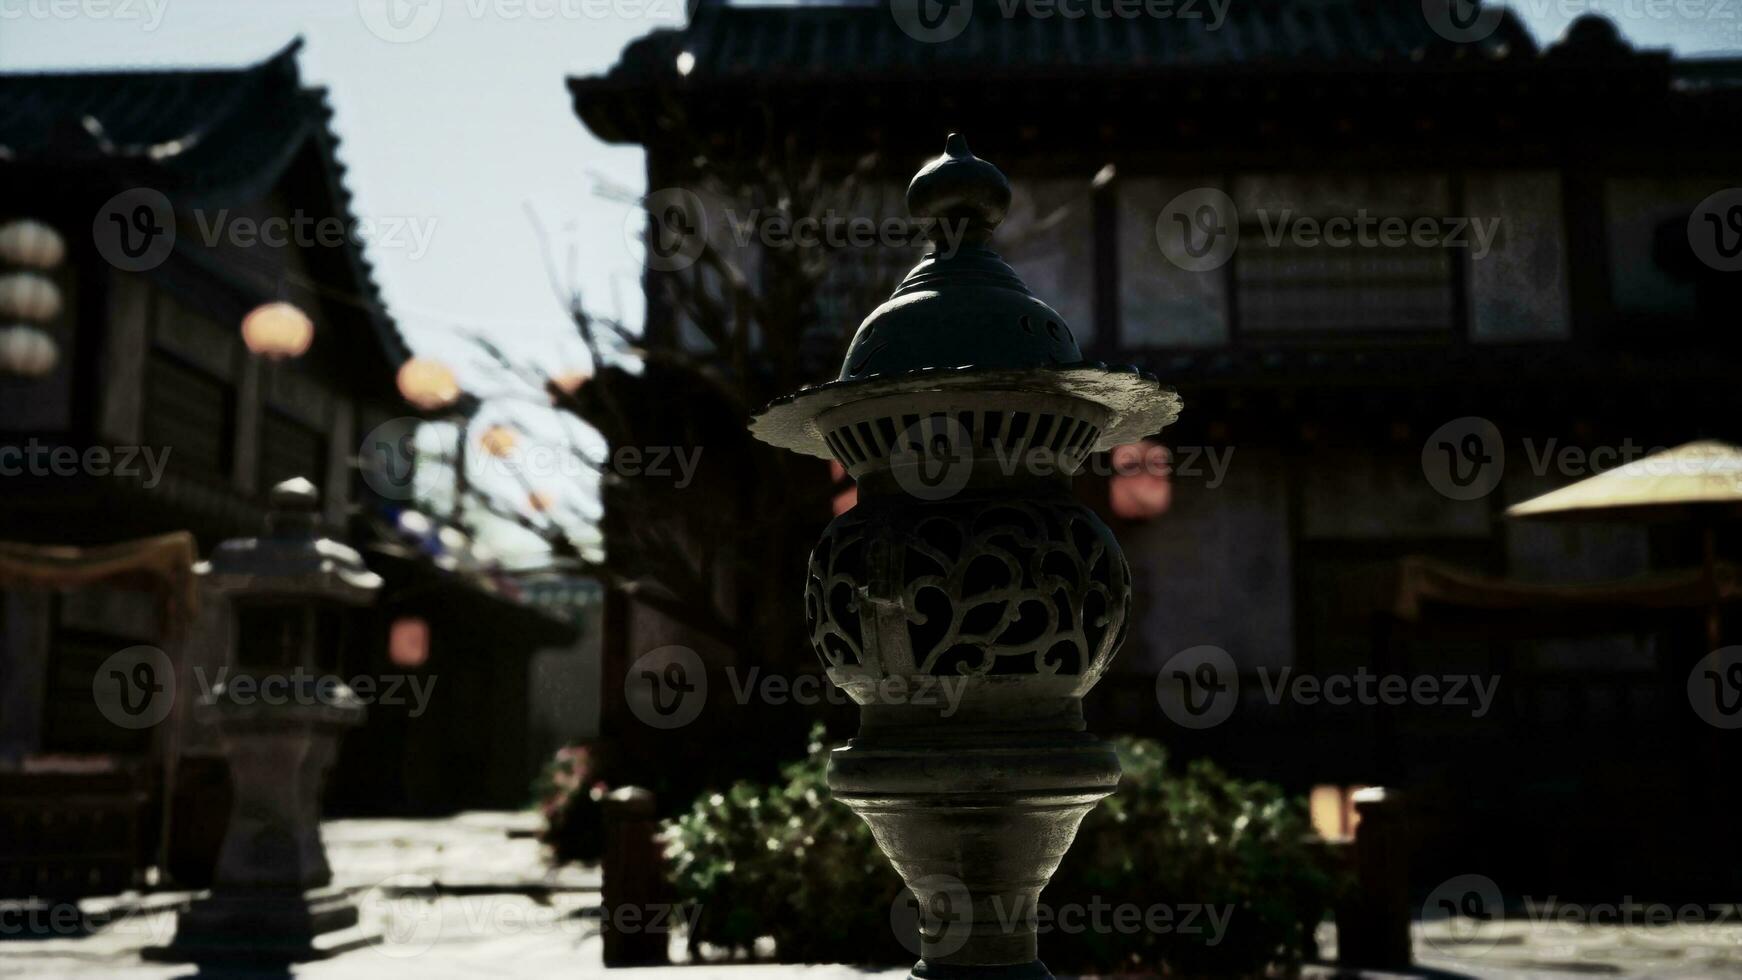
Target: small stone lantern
x=968 y=602
x=280 y=713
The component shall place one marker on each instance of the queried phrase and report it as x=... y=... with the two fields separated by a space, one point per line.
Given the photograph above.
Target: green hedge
x=788 y=862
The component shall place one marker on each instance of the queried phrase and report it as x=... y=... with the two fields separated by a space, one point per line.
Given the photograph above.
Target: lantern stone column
x=968 y=602
x=280 y=714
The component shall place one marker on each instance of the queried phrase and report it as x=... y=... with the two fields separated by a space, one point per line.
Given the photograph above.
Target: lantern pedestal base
x=975 y=823
x=265 y=926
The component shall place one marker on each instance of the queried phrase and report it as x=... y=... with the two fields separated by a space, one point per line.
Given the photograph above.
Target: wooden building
x=1318 y=380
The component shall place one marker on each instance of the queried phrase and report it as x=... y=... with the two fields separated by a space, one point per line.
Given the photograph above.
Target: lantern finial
x=957 y=189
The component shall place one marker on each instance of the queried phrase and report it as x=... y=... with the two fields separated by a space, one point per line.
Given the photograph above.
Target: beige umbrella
x=1698 y=482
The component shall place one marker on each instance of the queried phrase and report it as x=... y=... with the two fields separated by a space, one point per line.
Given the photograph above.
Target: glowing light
x=1142 y=484
x=277 y=331
x=408 y=642
x=427 y=384
x=498 y=440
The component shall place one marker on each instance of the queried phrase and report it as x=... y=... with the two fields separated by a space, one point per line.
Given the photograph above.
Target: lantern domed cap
x=958 y=186
x=964 y=319
x=292 y=557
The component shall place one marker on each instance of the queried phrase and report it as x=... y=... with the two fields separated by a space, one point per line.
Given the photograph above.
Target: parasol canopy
x=1697 y=481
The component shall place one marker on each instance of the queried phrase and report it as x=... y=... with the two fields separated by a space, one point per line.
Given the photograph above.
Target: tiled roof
x=775 y=45
x=810 y=40
x=217 y=135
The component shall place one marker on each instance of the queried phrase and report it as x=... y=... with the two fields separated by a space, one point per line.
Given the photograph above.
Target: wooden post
x=635 y=931
x=1373 y=924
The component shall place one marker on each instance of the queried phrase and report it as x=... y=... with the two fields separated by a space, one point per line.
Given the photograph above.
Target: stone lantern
x=280 y=713
x=963 y=410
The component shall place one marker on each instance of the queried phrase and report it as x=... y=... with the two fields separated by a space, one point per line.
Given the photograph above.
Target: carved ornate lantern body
x=968 y=602
x=280 y=714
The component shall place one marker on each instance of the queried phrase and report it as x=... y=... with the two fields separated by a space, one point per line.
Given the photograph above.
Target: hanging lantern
x=29 y=296
x=31 y=244
x=570 y=382
x=277 y=331
x=27 y=352
x=1142 y=484
x=408 y=642
x=427 y=384
x=498 y=440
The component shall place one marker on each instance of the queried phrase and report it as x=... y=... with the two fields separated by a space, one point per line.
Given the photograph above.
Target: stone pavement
x=470 y=896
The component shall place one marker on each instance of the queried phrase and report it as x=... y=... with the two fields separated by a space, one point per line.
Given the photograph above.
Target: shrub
x=1199 y=839
x=788 y=862
x=568 y=791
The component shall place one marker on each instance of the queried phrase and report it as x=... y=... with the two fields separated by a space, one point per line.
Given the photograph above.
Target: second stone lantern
x=968 y=602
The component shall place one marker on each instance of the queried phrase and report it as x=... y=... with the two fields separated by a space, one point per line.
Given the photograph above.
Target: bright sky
x=465 y=123
x=458 y=131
